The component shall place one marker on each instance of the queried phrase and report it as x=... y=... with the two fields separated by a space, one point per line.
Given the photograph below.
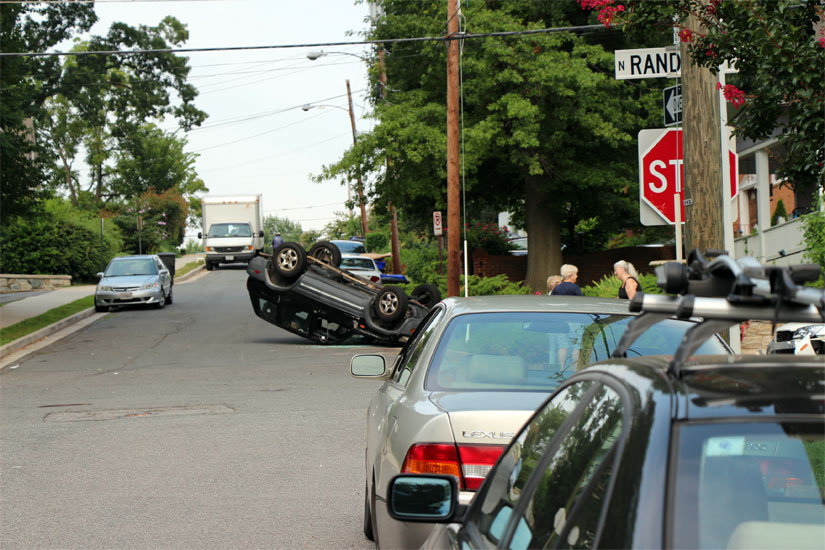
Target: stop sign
x=661 y=173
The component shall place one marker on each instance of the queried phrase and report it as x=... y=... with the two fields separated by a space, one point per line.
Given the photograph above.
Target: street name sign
x=648 y=63
x=661 y=174
x=672 y=101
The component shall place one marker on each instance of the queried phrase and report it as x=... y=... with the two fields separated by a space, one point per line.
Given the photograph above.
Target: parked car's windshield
x=539 y=350
x=743 y=485
x=125 y=268
x=357 y=263
x=230 y=230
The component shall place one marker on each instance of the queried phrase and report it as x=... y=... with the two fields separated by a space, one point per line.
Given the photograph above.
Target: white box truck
x=233 y=228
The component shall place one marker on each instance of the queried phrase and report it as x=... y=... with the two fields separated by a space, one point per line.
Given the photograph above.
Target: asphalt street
x=195 y=426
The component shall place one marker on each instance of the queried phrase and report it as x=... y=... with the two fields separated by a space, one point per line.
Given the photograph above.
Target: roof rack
x=723 y=292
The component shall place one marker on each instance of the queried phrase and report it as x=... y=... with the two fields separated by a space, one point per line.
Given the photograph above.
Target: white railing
x=784 y=244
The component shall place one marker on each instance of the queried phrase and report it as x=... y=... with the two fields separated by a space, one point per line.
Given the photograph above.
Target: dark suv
x=307 y=294
x=661 y=452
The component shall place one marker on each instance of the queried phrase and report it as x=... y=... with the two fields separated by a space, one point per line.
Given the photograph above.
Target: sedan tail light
x=375 y=278
x=469 y=463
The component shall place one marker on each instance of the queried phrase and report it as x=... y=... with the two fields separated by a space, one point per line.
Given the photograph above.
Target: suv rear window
x=747 y=485
x=538 y=350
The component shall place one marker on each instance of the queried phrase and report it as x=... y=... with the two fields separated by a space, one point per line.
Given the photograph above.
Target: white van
x=233 y=228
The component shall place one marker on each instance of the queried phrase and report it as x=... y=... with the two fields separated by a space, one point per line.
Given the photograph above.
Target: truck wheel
x=391 y=303
x=326 y=252
x=209 y=266
x=289 y=259
x=427 y=294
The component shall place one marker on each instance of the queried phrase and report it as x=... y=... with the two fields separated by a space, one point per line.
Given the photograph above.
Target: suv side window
x=571 y=483
x=495 y=507
x=409 y=354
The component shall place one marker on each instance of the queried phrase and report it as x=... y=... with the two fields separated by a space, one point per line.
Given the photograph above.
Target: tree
x=25 y=82
x=774 y=45
x=548 y=132
x=290 y=231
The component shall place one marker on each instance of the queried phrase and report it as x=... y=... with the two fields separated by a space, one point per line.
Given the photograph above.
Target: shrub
x=779 y=212
x=377 y=242
x=479 y=286
x=609 y=285
x=813 y=231
x=47 y=246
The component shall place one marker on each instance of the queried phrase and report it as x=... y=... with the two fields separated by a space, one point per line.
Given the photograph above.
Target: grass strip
x=187 y=268
x=27 y=326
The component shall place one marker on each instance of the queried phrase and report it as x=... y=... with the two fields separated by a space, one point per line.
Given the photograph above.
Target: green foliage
x=164 y=222
x=813 y=231
x=342 y=227
x=609 y=285
x=49 y=245
x=32 y=324
x=779 y=212
x=479 y=286
x=488 y=237
x=290 y=231
x=774 y=45
x=377 y=242
x=193 y=246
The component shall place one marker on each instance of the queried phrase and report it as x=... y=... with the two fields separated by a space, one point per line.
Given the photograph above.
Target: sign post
x=438 y=229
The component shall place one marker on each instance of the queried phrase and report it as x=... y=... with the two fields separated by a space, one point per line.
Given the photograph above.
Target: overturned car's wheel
x=326 y=252
x=427 y=294
x=289 y=259
x=391 y=303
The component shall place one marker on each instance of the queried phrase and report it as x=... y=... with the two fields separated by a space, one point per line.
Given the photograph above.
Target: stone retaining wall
x=756 y=337
x=19 y=283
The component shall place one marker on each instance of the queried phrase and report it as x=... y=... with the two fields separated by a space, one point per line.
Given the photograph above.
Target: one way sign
x=672 y=100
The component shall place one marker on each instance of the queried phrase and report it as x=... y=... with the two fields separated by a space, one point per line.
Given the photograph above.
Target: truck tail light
x=469 y=463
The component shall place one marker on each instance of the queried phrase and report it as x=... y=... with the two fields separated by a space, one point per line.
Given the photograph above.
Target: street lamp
x=354 y=142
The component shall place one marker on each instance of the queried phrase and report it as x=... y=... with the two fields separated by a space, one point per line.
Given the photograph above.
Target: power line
x=582 y=28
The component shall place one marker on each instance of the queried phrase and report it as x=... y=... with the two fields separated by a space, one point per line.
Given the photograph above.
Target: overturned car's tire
x=326 y=252
x=289 y=260
x=427 y=294
x=391 y=303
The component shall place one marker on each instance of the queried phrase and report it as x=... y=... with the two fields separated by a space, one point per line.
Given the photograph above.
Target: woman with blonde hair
x=630 y=279
x=552 y=282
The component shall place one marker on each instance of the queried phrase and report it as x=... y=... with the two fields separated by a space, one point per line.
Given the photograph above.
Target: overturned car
x=308 y=294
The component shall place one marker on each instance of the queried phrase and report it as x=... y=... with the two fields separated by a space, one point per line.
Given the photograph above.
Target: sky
x=278 y=146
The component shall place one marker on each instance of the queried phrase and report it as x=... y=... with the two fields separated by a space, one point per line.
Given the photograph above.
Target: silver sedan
x=134 y=280
x=472 y=374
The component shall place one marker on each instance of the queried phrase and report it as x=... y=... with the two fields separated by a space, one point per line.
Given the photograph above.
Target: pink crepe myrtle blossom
x=732 y=94
x=607 y=9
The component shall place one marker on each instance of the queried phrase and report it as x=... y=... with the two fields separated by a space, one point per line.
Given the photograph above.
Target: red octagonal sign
x=661 y=173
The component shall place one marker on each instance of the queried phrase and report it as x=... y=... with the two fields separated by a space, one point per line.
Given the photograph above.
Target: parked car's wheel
x=427 y=294
x=367 y=514
x=326 y=252
x=162 y=301
x=101 y=309
x=289 y=259
x=390 y=303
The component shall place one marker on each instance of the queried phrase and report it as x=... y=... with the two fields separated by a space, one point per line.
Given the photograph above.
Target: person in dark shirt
x=276 y=241
x=568 y=286
x=629 y=277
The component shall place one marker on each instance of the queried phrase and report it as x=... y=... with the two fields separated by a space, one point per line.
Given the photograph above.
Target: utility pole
x=360 y=184
x=702 y=153
x=453 y=197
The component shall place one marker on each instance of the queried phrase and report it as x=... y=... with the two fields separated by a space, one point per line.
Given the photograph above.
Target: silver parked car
x=472 y=374
x=362 y=266
x=134 y=280
x=799 y=338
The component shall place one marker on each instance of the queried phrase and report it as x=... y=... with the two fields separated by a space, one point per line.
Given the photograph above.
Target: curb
x=190 y=274
x=24 y=341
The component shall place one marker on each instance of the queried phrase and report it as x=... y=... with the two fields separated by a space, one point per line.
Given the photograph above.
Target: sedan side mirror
x=423 y=498
x=99 y=275
x=372 y=366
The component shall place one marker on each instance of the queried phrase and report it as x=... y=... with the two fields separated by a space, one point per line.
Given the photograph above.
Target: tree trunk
x=702 y=153
x=544 y=237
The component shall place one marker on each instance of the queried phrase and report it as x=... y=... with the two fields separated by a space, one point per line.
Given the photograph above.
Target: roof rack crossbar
x=693 y=338
x=721 y=308
x=635 y=329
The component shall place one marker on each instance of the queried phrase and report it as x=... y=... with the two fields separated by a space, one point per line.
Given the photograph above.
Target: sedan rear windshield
x=229 y=230
x=357 y=263
x=749 y=485
x=492 y=351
